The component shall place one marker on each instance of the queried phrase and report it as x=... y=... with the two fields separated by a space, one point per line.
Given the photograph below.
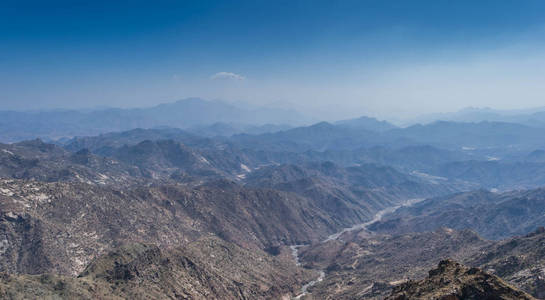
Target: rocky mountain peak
x=454 y=281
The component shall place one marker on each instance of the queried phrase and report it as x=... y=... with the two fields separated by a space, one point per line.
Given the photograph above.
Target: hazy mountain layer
x=17 y=126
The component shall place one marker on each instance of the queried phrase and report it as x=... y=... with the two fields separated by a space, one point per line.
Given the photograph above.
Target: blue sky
x=334 y=58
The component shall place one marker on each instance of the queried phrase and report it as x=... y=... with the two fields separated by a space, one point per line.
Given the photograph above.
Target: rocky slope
x=142 y=163
x=165 y=214
x=492 y=215
x=60 y=227
x=163 y=158
x=209 y=268
x=352 y=195
x=362 y=265
x=519 y=260
x=451 y=280
x=36 y=160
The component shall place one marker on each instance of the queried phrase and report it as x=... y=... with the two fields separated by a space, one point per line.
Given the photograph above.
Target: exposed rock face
x=453 y=281
x=209 y=268
x=69 y=224
x=362 y=265
x=519 y=260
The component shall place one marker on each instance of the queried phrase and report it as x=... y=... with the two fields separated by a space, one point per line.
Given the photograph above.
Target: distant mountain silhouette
x=530 y=117
x=191 y=112
x=366 y=123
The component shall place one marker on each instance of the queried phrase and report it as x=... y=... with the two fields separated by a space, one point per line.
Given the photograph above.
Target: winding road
x=377 y=217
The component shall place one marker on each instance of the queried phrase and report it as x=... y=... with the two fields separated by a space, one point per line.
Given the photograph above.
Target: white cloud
x=227 y=75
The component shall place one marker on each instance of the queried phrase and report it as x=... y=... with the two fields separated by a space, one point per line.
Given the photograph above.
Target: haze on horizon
x=334 y=60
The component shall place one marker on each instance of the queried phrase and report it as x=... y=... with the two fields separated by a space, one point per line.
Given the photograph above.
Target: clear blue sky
x=338 y=58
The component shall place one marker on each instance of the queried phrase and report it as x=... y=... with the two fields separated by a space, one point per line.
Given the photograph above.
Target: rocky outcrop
x=453 y=281
x=518 y=260
x=365 y=265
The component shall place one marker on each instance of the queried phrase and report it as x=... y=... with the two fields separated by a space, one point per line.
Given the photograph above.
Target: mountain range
x=355 y=209
x=188 y=113
x=534 y=117
x=492 y=215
